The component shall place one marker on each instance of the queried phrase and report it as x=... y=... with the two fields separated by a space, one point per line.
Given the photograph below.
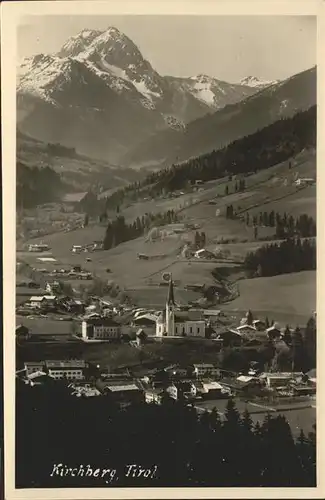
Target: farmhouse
x=38 y=302
x=259 y=325
x=246 y=329
x=122 y=391
x=273 y=332
x=305 y=181
x=34 y=366
x=203 y=254
x=173 y=322
x=277 y=380
x=154 y=396
x=180 y=390
x=212 y=390
x=230 y=337
x=100 y=328
x=38 y=247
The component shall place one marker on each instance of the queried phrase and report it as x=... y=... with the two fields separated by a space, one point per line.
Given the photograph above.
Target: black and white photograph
x=165 y=328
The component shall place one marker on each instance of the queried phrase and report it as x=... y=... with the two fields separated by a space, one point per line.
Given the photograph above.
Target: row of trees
x=291 y=255
x=239 y=186
x=286 y=225
x=118 y=230
x=181 y=448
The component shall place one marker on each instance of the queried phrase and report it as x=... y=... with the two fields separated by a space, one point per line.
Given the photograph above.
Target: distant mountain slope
x=269 y=146
x=100 y=95
x=73 y=172
x=215 y=130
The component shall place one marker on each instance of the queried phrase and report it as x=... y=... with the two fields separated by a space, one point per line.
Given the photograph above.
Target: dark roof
x=141 y=334
x=183 y=386
x=170 y=296
x=101 y=321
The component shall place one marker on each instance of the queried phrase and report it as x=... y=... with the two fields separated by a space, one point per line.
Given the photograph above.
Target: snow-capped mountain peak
x=78 y=43
x=99 y=74
x=255 y=82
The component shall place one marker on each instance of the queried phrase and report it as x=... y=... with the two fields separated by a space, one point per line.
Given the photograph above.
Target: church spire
x=170 y=296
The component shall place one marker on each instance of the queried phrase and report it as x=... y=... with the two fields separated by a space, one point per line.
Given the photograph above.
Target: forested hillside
x=267 y=147
x=35 y=185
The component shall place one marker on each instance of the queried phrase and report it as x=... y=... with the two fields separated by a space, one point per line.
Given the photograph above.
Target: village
x=204 y=385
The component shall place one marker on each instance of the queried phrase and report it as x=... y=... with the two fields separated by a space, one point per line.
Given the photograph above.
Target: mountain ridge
x=108 y=81
x=213 y=131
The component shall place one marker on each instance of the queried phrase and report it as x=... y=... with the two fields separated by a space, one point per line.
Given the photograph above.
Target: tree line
x=289 y=256
x=285 y=225
x=186 y=449
x=273 y=144
x=118 y=231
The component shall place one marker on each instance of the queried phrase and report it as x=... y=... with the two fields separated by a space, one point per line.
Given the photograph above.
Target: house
x=54 y=287
x=312 y=377
x=203 y=254
x=177 y=371
x=100 y=328
x=38 y=302
x=205 y=370
x=72 y=369
x=213 y=390
x=305 y=181
x=277 y=380
x=97 y=245
x=303 y=390
x=243 y=384
x=38 y=247
x=76 y=248
x=154 y=396
x=230 y=338
x=181 y=390
x=34 y=366
x=212 y=313
x=246 y=329
x=273 y=332
x=121 y=391
x=147 y=322
x=37 y=378
x=141 y=337
x=259 y=325
x=173 y=322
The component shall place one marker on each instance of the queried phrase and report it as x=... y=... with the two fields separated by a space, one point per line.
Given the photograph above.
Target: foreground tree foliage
x=52 y=428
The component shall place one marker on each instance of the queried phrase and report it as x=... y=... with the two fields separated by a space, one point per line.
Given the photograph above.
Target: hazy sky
x=227 y=47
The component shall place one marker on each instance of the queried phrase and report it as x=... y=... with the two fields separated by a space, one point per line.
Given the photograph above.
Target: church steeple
x=170 y=306
x=170 y=296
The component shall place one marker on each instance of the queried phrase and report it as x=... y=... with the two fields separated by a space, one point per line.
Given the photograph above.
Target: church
x=176 y=323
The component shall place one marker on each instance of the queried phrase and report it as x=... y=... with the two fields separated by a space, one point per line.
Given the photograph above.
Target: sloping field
x=287 y=298
x=301 y=202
